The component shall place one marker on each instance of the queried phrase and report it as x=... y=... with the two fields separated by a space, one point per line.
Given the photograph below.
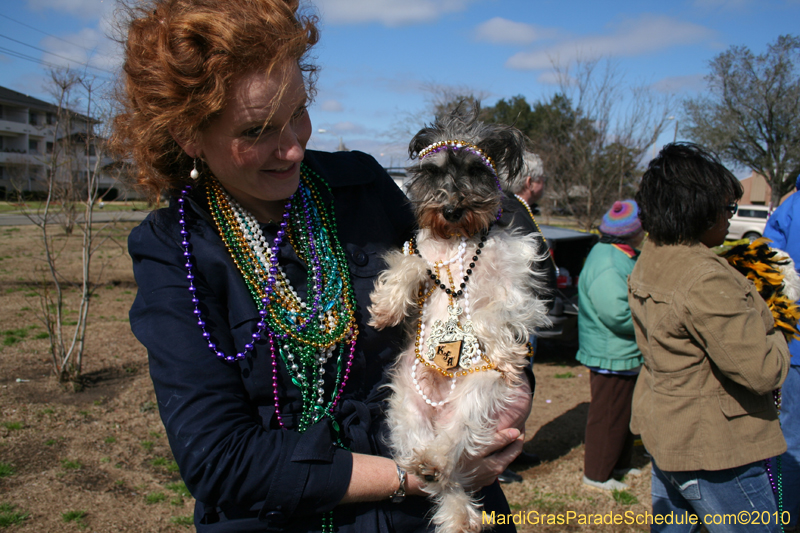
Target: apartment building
x=28 y=139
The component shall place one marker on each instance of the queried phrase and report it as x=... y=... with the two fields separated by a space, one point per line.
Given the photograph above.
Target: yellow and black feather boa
x=766 y=267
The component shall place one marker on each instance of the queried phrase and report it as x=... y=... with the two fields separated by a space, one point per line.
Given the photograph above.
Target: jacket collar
x=627 y=250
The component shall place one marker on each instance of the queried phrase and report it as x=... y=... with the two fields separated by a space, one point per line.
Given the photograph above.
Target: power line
x=43 y=32
x=18 y=55
x=55 y=55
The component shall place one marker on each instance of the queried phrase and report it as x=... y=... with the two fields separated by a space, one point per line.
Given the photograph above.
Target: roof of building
x=14 y=97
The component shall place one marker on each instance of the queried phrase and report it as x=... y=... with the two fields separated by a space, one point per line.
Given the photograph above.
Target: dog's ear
x=424 y=138
x=506 y=146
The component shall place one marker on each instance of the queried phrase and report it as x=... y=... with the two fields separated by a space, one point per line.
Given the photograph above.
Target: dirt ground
x=98 y=460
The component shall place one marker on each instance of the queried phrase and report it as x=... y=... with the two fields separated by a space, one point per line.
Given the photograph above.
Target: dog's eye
x=477 y=168
x=433 y=170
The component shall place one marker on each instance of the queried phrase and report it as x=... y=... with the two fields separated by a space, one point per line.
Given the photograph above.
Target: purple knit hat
x=622 y=220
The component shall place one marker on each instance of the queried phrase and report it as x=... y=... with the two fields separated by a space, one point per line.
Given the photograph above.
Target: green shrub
x=624 y=497
x=6 y=470
x=68 y=464
x=9 y=517
x=74 y=516
x=180 y=488
x=187 y=520
x=155 y=497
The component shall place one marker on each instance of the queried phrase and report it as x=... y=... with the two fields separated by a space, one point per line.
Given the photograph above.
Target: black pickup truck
x=569 y=248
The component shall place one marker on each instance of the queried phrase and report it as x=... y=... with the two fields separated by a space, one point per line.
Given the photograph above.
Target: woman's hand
x=375 y=478
x=507 y=443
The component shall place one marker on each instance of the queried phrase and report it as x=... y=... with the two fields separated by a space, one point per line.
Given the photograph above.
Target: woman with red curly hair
x=254 y=281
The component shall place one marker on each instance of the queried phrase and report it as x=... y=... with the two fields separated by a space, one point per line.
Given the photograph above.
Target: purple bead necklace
x=249 y=258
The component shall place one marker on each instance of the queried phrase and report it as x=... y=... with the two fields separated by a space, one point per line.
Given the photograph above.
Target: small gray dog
x=467 y=292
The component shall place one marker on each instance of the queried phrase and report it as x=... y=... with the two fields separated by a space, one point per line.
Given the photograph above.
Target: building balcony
x=10 y=156
x=19 y=128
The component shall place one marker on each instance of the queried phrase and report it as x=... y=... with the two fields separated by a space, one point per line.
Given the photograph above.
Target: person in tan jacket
x=703 y=402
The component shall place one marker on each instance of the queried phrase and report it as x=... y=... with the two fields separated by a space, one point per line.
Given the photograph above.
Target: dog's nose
x=452 y=214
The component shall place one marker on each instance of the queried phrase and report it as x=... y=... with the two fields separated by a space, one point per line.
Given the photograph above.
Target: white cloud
x=632 y=37
x=88 y=46
x=387 y=12
x=503 y=31
x=723 y=5
x=332 y=106
x=675 y=84
x=549 y=77
x=85 y=9
x=347 y=127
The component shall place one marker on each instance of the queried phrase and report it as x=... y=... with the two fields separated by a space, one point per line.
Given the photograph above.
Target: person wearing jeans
x=712 y=355
x=706 y=493
x=783 y=229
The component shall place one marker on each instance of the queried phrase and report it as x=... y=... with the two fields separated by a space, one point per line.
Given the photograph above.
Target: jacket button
x=275 y=517
x=360 y=258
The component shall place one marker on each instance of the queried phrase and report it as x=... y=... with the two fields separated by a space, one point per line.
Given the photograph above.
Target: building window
x=51 y=119
x=33 y=146
x=49 y=148
x=32 y=119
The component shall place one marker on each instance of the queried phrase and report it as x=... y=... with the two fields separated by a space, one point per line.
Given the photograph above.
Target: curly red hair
x=181 y=59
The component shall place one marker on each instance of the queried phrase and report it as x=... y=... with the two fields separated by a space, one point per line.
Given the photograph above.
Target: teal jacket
x=605 y=326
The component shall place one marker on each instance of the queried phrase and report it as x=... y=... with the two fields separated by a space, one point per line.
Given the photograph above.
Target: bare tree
x=74 y=169
x=591 y=135
x=612 y=126
x=750 y=116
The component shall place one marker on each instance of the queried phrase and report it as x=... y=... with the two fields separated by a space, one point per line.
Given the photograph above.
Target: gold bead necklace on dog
x=458 y=145
x=451 y=344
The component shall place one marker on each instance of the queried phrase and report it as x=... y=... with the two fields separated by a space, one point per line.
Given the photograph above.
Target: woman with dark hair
x=254 y=282
x=712 y=357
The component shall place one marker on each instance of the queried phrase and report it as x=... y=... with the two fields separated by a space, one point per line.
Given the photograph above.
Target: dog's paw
x=429 y=473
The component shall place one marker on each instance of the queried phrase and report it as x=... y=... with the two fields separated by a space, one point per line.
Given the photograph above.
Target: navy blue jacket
x=245 y=472
x=516 y=217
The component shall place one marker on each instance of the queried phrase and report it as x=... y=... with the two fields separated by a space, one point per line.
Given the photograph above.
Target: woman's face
x=715 y=235
x=255 y=145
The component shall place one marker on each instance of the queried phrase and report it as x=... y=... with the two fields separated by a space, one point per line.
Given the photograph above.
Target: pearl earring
x=194 y=174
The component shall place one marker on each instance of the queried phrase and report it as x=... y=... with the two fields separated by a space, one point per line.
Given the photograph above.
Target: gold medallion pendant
x=451 y=345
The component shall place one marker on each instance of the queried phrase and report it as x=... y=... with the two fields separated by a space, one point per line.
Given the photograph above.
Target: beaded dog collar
x=458 y=145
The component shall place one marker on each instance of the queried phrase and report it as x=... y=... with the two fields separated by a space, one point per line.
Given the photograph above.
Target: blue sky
x=380 y=58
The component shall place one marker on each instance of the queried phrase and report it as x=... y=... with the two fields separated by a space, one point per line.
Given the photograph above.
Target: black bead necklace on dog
x=453 y=349
x=436 y=281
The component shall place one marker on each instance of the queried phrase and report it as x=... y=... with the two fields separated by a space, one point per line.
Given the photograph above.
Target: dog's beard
x=470 y=223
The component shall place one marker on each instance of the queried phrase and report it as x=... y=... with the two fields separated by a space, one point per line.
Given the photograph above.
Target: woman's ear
x=192 y=147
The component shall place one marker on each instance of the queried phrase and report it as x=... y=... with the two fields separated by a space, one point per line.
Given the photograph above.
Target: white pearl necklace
x=422 y=393
x=257 y=243
x=459 y=257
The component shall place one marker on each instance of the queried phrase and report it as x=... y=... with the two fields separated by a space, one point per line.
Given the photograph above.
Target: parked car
x=569 y=248
x=748 y=222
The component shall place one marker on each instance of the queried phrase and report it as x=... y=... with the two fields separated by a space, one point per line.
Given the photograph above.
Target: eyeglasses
x=732 y=208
